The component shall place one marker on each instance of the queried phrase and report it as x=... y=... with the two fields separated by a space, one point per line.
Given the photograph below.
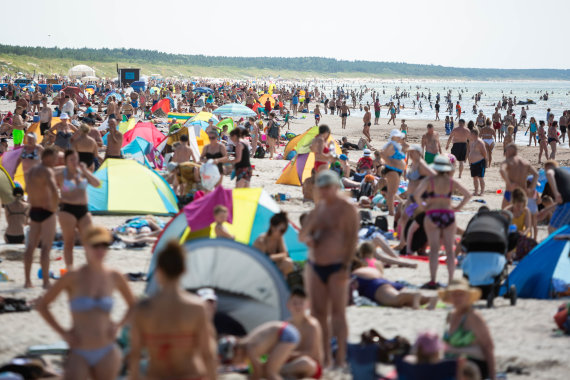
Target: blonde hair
x=219 y=209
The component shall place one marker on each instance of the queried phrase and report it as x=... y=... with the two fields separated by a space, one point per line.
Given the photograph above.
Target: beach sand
x=523 y=334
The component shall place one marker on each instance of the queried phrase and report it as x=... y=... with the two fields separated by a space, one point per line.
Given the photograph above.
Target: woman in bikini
x=73 y=213
x=393 y=155
x=86 y=147
x=172 y=327
x=466 y=332
x=93 y=353
x=323 y=156
x=553 y=139
x=16 y=218
x=273 y=245
x=63 y=132
x=488 y=135
x=214 y=151
x=439 y=223
x=31 y=153
x=542 y=142
x=533 y=128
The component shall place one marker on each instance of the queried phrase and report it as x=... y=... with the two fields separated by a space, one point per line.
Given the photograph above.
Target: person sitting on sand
x=276 y=340
x=221 y=217
x=365 y=165
x=273 y=245
x=521 y=213
x=370 y=283
x=467 y=333
x=16 y=218
x=173 y=327
x=91 y=339
x=306 y=361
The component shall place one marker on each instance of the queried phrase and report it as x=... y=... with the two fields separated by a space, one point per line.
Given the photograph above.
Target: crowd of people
x=173 y=330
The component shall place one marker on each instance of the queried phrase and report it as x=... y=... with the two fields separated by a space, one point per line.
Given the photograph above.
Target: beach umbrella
x=204 y=90
x=234 y=110
x=264 y=99
x=204 y=116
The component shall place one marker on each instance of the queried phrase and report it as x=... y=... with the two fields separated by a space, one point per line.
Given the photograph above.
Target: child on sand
x=404 y=128
x=221 y=217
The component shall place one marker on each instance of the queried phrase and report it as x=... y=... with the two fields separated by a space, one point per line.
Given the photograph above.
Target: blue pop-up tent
x=545 y=268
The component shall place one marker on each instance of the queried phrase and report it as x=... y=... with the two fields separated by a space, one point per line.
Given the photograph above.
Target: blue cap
x=343 y=157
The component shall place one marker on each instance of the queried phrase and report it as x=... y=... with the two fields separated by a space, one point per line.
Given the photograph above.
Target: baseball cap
x=327 y=178
x=64 y=116
x=97 y=235
x=207 y=294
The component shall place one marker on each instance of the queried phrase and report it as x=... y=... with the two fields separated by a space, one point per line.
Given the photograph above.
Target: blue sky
x=476 y=33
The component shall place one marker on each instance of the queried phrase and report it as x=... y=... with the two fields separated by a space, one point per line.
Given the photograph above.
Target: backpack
x=365 y=189
x=259 y=152
x=381 y=222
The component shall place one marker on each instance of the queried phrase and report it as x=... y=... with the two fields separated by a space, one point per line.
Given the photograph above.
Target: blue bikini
x=398 y=155
x=84 y=304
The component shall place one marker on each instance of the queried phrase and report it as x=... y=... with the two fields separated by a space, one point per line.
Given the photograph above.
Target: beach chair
x=444 y=370
x=362 y=361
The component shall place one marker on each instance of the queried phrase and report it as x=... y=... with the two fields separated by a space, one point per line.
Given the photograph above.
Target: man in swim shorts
x=459 y=136
x=478 y=161
x=430 y=144
x=332 y=243
x=515 y=171
x=497 y=121
x=46 y=114
x=43 y=197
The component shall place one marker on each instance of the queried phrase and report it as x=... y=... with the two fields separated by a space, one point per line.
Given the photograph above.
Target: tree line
x=307 y=64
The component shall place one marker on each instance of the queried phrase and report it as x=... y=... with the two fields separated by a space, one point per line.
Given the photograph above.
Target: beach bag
x=381 y=222
x=259 y=152
x=362 y=143
x=389 y=350
x=562 y=318
x=365 y=189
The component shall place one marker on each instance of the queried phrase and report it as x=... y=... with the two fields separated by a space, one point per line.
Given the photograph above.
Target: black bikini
x=38 y=214
x=325 y=271
x=78 y=211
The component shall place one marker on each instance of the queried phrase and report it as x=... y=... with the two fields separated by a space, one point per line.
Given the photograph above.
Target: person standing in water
x=332 y=243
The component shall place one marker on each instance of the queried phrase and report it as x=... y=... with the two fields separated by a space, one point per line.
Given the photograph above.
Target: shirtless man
x=249 y=100
x=331 y=233
x=430 y=144
x=36 y=96
x=306 y=361
x=319 y=146
x=366 y=120
x=344 y=113
x=45 y=116
x=459 y=136
x=183 y=152
x=497 y=122
x=114 y=141
x=515 y=171
x=478 y=161
x=112 y=111
x=43 y=197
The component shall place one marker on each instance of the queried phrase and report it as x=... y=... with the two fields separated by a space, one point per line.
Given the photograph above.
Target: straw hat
x=460 y=285
x=442 y=164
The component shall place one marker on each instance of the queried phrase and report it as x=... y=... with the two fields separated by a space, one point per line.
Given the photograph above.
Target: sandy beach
x=523 y=334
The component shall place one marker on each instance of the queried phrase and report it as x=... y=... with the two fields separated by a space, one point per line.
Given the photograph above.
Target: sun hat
x=327 y=178
x=459 y=285
x=97 y=235
x=442 y=164
x=429 y=343
x=207 y=294
x=367 y=153
x=64 y=116
x=417 y=148
x=396 y=133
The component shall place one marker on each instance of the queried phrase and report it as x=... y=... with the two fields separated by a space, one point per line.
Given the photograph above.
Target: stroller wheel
x=513 y=295
x=490 y=298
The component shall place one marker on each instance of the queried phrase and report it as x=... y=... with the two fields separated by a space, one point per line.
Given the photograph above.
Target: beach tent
x=234 y=110
x=263 y=99
x=300 y=167
x=250 y=288
x=144 y=153
x=35 y=128
x=128 y=187
x=79 y=94
x=117 y=96
x=79 y=71
x=161 y=108
x=6 y=187
x=182 y=117
x=196 y=143
x=249 y=213
x=145 y=130
x=545 y=268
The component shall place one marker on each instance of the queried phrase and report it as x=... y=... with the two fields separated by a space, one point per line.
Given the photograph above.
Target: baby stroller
x=486 y=243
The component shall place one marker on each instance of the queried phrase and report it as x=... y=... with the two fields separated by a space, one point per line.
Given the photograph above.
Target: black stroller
x=486 y=243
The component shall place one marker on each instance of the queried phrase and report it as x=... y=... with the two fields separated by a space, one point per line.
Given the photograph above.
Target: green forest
x=245 y=66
